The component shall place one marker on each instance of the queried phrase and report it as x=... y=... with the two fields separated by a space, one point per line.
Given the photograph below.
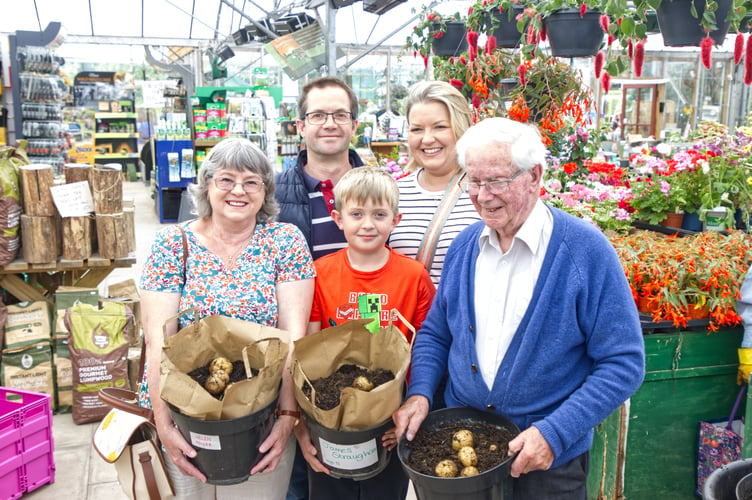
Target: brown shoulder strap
x=151 y=482
x=427 y=249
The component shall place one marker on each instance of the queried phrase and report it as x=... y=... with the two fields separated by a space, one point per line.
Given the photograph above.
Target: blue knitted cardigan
x=576 y=356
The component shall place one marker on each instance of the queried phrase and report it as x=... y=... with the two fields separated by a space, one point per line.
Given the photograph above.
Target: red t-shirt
x=343 y=293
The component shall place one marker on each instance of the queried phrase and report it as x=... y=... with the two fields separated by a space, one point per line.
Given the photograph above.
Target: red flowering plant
x=679 y=279
x=431 y=25
x=598 y=197
x=657 y=189
x=709 y=22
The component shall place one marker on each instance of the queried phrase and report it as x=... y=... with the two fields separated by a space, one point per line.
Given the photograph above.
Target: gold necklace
x=230 y=261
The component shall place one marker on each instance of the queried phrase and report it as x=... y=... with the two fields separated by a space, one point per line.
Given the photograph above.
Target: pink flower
x=665 y=187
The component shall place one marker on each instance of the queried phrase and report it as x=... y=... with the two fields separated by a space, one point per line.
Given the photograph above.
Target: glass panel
x=679 y=90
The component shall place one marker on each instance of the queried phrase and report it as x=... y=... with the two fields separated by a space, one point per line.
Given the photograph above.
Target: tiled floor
x=81 y=474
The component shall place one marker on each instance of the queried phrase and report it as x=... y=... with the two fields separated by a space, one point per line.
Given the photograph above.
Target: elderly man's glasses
x=227 y=184
x=319 y=117
x=500 y=186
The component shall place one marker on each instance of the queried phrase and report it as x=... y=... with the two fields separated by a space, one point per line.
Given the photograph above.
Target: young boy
x=365 y=279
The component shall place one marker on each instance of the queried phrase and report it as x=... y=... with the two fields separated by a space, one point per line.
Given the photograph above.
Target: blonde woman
x=434 y=209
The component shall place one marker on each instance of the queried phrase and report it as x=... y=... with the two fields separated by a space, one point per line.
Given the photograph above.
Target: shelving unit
x=116 y=140
x=38 y=95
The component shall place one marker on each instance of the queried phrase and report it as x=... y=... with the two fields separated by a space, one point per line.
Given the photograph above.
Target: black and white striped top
x=418 y=207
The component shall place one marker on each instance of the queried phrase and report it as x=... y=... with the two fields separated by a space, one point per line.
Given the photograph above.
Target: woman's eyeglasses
x=227 y=184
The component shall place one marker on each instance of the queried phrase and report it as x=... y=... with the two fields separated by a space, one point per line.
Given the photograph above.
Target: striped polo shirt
x=326 y=237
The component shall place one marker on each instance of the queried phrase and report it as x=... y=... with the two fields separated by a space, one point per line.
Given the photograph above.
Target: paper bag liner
x=196 y=345
x=320 y=354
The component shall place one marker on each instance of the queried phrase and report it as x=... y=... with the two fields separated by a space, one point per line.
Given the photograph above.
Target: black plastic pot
x=453 y=42
x=721 y=484
x=506 y=33
x=744 y=488
x=354 y=455
x=226 y=450
x=680 y=29
x=573 y=36
x=493 y=484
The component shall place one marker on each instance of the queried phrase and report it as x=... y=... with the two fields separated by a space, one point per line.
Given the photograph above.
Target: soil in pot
x=201 y=374
x=329 y=389
x=491 y=445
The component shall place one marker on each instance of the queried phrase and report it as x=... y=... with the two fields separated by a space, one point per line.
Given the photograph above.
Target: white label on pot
x=349 y=456
x=205 y=441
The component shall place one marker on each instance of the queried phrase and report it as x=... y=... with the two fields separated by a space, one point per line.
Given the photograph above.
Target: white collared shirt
x=504 y=284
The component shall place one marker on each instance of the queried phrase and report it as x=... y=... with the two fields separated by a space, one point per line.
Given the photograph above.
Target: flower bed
x=678 y=278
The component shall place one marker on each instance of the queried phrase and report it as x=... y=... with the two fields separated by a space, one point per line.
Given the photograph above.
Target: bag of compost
x=99 y=355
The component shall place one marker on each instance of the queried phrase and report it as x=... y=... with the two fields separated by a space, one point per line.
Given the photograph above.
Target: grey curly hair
x=241 y=155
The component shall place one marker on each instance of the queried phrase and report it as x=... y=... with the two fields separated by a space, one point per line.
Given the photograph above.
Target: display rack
x=116 y=140
x=39 y=95
x=171 y=184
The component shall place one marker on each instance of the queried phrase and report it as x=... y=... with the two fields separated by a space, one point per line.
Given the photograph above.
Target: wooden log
x=39 y=238
x=107 y=189
x=129 y=214
x=36 y=181
x=76 y=238
x=77 y=172
x=113 y=243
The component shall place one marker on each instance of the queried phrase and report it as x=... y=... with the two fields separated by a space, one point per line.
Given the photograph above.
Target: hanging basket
x=453 y=42
x=573 y=36
x=680 y=29
x=506 y=33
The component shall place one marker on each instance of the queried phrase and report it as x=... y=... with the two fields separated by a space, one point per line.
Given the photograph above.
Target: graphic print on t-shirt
x=364 y=305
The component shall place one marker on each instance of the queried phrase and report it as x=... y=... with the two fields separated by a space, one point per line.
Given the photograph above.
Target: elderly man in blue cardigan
x=533 y=318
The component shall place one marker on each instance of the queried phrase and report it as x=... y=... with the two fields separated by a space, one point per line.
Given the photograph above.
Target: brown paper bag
x=196 y=345
x=320 y=354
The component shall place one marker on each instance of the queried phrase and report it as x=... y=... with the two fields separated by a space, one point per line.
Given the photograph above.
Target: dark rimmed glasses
x=319 y=117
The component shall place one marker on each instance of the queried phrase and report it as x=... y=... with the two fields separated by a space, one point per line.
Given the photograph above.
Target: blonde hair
x=367 y=183
x=460 y=116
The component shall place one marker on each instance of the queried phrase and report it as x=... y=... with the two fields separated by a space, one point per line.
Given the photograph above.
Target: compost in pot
x=329 y=389
x=234 y=373
x=447 y=443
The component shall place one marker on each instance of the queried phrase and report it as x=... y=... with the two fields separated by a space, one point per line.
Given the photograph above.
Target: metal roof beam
x=121 y=40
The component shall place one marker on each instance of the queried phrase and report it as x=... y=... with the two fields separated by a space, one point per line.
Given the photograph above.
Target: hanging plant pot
x=573 y=36
x=453 y=42
x=680 y=29
x=506 y=33
x=508 y=84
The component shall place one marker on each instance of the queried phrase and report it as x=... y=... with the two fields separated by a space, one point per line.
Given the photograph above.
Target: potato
x=467 y=456
x=469 y=471
x=493 y=447
x=222 y=375
x=221 y=363
x=446 y=468
x=362 y=383
x=215 y=385
x=462 y=438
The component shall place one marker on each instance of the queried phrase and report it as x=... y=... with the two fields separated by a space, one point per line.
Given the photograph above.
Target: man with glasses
x=533 y=318
x=327 y=110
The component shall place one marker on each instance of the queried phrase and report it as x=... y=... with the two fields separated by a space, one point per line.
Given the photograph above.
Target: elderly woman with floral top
x=242 y=264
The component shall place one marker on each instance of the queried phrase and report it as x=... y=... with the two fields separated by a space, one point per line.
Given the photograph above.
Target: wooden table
x=38 y=281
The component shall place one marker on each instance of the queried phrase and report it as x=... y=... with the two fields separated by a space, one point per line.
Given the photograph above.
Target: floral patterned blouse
x=276 y=253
